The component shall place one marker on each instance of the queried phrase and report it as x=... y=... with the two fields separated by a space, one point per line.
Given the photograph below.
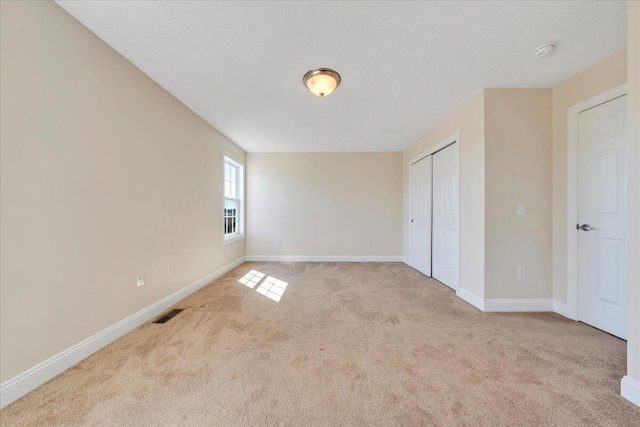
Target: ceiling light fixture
x=321 y=81
x=544 y=50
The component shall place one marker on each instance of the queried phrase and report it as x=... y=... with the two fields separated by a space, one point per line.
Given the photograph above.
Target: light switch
x=520 y=209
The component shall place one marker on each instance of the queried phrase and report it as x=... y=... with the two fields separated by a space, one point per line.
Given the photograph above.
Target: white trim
x=517 y=305
x=325 y=258
x=405 y=259
x=233 y=239
x=13 y=389
x=471 y=298
x=506 y=305
x=630 y=390
x=572 y=192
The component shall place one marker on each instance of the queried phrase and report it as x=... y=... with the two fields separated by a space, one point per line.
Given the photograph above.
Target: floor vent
x=169 y=315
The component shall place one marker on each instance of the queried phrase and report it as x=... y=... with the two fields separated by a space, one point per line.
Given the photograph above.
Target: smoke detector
x=545 y=49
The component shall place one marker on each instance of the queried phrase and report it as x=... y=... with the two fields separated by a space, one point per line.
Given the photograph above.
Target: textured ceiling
x=404 y=65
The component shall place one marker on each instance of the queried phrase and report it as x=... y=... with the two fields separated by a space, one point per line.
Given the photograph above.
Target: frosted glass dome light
x=321 y=81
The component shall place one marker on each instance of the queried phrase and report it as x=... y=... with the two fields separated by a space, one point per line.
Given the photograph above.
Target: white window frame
x=239 y=164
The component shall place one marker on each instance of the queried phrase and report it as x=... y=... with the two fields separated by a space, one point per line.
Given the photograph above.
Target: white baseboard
x=630 y=390
x=517 y=305
x=13 y=389
x=505 y=305
x=325 y=258
x=406 y=260
x=471 y=298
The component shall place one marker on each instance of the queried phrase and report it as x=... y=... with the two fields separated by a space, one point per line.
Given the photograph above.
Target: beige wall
x=104 y=175
x=609 y=73
x=469 y=120
x=518 y=171
x=505 y=156
x=324 y=204
x=633 y=64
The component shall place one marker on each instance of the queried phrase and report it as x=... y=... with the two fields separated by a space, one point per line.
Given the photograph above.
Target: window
x=233 y=196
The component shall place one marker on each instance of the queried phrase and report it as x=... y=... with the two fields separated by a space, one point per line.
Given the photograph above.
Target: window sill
x=227 y=241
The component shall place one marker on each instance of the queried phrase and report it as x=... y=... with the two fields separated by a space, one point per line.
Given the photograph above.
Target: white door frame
x=439 y=146
x=572 y=192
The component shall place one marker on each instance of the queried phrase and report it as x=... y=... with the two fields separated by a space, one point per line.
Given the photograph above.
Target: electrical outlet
x=521 y=210
x=370 y=242
x=140 y=280
x=169 y=269
x=520 y=272
x=388 y=243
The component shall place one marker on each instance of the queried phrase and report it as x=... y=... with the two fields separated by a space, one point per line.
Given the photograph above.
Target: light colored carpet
x=348 y=344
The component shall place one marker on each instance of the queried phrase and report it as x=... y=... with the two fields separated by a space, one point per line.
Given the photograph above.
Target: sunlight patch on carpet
x=252 y=278
x=273 y=288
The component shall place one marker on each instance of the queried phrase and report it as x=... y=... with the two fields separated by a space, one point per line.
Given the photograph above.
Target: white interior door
x=446 y=215
x=420 y=212
x=602 y=269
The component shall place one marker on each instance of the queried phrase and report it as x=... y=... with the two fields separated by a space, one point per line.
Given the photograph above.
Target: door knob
x=584 y=227
x=412 y=220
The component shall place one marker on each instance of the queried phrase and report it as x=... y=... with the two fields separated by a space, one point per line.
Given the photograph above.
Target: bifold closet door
x=446 y=215
x=420 y=209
